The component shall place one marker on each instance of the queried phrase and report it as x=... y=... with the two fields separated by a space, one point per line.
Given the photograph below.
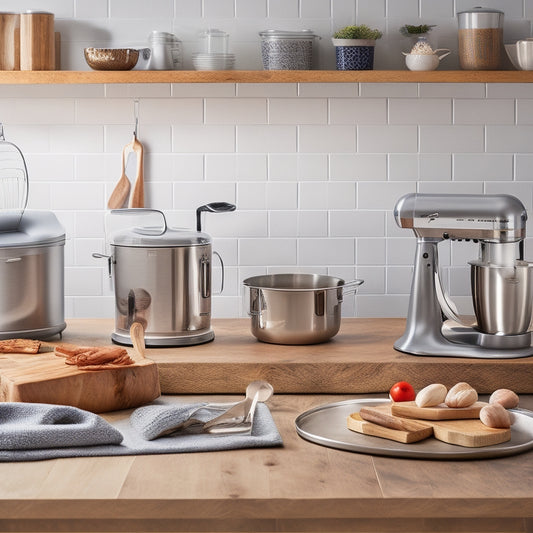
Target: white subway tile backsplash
x=298 y=111
x=452 y=90
x=380 y=139
x=482 y=167
x=271 y=251
x=363 y=167
x=326 y=251
x=266 y=138
x=439 y=139
x=282 y=195
x=381 y=195
x=236 y=111
x=312 y=167
x=329 y=90
x=203 y=138
x=371 y=251
x=187 y=195
x=420 y=111
x=483 y=111
x=315 y=169
x=509 y=139
x=324 y=139
x=358 y=111
x=345 y=223
x=37 y=111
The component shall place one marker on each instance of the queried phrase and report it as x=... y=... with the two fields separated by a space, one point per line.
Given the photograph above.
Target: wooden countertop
x=359 y=359
x=300 y=487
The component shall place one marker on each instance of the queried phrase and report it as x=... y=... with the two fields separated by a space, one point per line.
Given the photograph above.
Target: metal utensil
x=238 y=418
x=261 y=390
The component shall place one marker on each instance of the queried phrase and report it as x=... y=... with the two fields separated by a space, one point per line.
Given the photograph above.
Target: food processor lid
x=36 y=228
x=152 y=237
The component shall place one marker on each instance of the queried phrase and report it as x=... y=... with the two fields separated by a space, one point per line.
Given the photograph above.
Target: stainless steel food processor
x=502 y=282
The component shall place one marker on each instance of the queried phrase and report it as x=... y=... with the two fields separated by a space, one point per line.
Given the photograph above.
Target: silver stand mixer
x=501 y=280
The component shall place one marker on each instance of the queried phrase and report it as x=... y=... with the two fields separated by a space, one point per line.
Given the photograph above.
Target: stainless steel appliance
x=162 y=279
x=296 y=308
x=501 y=280
x=32 y=276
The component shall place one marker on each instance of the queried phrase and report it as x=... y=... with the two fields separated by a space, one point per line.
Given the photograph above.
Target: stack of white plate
x=213 y=61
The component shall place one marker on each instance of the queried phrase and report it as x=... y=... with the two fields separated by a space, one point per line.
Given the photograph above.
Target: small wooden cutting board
x=411 y=434
x=470 y=433
x=438 y=412
x=45 y=378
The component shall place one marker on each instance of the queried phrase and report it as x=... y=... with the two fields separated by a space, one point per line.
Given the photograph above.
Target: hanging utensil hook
x=136 y=116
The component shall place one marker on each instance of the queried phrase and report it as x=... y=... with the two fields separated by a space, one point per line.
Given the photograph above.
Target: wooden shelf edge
x=263 y=76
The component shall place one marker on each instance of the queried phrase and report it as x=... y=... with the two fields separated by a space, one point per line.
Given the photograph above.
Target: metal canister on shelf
x=37 y=41
x=480 y=38
x=166 y=51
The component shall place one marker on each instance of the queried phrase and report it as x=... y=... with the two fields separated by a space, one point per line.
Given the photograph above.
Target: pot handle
x=222 y=275
x=143 y=211
x=109 y=260
x=350 y=287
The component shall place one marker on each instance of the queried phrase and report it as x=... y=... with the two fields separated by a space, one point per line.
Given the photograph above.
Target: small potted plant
x=354 y=47
x=416 y=33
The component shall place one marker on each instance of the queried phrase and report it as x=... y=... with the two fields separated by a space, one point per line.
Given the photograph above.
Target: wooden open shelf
x=264 y=76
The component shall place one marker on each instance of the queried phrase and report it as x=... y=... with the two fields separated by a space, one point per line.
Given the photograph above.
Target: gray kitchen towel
x=264 y=434
x=30 y=426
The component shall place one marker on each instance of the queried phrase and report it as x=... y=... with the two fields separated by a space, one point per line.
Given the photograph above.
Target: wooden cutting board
x=46 y=378
x=438 y=412
x=470 y=433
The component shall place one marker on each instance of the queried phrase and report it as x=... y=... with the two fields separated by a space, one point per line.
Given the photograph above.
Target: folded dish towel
x=17 y=430
x=32 y=426
x=150 y=421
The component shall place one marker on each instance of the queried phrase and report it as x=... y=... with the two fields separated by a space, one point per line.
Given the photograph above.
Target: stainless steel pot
x=296 y=308
x=162 y=279
x=32 y=277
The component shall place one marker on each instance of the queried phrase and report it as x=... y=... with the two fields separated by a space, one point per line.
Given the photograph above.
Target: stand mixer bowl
x=502 y=297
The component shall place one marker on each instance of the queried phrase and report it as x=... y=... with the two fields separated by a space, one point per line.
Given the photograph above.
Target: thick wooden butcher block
x=46 y=378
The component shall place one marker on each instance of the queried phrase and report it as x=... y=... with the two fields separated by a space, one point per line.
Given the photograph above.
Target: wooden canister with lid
x=9 y=41
x=37 y=41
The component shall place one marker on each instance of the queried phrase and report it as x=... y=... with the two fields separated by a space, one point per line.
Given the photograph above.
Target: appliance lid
x=36 y=228
x=153 y=237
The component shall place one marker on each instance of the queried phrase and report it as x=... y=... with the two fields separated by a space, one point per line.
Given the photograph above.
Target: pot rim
x=329 y=282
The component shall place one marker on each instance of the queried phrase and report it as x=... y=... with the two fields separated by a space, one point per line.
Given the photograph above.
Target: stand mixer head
x=502 y=281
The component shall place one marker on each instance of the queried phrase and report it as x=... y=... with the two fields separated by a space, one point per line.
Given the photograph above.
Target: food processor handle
x=214 y=207
x=143 y=211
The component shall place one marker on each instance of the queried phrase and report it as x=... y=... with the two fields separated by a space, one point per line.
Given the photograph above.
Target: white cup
x=524 y=52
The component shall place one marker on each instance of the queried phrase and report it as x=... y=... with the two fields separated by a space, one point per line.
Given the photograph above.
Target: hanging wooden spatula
x=137 y=195
x=120 y=193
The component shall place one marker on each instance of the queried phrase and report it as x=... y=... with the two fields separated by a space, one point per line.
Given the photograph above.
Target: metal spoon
x=238 y=413
x=237 y=419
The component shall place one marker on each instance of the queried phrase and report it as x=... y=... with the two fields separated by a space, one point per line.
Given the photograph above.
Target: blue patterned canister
x=352 y=54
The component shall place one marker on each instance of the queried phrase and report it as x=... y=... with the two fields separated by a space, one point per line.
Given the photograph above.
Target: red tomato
x=402 y=392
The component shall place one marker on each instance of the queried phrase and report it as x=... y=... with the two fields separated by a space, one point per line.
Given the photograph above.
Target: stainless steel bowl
x=295 y=308
x=503 y=297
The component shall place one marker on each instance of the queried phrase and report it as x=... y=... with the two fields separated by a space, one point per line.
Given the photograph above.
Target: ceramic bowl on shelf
x=111 y=58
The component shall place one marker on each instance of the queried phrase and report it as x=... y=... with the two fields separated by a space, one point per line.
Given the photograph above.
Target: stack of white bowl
x=215 y=54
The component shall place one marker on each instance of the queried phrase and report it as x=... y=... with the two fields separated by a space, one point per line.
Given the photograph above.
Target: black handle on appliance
x=214 y=207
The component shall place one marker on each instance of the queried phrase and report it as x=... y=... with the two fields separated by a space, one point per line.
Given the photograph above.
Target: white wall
x=315 y=169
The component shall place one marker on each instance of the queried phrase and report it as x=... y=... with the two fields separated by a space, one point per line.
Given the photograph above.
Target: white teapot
x=425 y=61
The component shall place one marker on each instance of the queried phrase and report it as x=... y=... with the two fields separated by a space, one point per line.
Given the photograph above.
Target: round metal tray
x=326 y=425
